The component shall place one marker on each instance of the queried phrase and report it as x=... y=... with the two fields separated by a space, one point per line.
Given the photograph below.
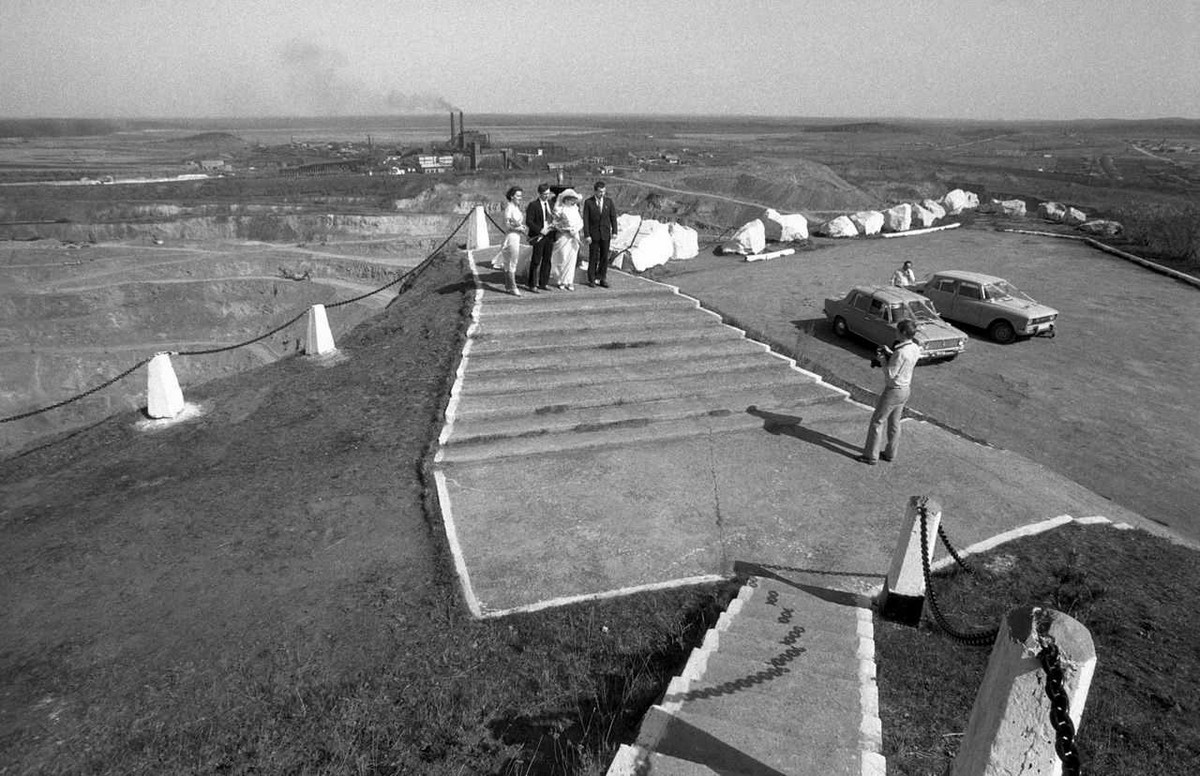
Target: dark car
x=872 y=312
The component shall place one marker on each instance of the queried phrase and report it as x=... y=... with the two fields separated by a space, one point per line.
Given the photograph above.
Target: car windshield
x=1003 y=290
x=920 y=310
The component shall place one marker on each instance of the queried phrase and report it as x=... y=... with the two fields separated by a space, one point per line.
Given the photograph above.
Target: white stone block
x=477 y=233
x=164 y=398
x=320 y=338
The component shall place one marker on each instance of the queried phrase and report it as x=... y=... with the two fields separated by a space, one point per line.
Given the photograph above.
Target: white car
x=990 y=303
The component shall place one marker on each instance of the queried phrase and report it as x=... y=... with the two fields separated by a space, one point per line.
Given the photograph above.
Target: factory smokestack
x=451 y=127
x=462 y=132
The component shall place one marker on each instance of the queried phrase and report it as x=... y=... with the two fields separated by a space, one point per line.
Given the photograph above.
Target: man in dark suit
x=599 y=224
x=539 y=218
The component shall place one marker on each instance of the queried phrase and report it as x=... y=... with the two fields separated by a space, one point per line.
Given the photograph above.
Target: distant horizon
x=595 y=115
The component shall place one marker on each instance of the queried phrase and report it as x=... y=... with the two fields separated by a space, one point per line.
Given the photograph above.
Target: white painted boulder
x=1102 y=227
x=1075 y=217
x=935 y=207
x=627 y=227
x=972 y=200
x=652 y=247
x=898 y=218
x=868 y=222
x=750 y=239
x=955 y=201
x=922 y=217
x=1010 y=207
x=783 y=227
x=841 y=226
x=1051 y=211
x=686 y=241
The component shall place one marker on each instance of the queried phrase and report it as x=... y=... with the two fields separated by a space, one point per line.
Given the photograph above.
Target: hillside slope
x=161 y=586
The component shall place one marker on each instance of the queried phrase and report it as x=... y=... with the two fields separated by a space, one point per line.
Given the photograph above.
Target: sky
x=969 y=59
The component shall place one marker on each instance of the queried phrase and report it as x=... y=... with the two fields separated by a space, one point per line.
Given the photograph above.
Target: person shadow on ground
x=792 y=425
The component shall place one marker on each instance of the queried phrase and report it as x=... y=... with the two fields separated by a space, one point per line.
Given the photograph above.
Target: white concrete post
x=320 y=338
x=477 y=234
x=904 y=594
x=164 y=398
x=1009 y=731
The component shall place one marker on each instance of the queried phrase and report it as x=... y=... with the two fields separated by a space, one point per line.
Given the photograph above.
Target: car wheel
x=1002 y=332
x=839 y=326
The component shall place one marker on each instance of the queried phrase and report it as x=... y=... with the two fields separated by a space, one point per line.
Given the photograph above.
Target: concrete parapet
x=1010 y=731
x=904 y=594
x=320 y=338
x=164 y=398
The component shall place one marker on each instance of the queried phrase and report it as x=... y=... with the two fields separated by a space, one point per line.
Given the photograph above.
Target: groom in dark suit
x=599 y=224
x=539 y=218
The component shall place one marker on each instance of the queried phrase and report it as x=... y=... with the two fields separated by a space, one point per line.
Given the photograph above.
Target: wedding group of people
x=556 y=228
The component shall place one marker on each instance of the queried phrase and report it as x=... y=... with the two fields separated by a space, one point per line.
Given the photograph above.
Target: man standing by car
x=599 y=225
x=897 y=362
x=904 y=277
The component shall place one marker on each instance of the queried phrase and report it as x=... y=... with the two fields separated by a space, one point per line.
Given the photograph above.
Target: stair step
x=824 y=693
x=616 y=335
x=645 y=763
x=755 y=638
x=729 y=747
x=773 y=599
x=565 y=417
x=580 y=301
x=807 y=668
x=598 y=319
x=818 y=714
x=618 y=434
x=603 y=355
x=765 y=376
x=512 y=383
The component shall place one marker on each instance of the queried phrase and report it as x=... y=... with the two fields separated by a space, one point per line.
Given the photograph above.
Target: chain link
x=1060 y=710
x=77 y=397
x=977 y=639
x=953 y=552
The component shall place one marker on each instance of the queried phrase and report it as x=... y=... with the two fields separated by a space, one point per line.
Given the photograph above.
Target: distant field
x=241 y=236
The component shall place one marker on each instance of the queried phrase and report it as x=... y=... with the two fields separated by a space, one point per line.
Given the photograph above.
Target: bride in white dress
x=568 y=223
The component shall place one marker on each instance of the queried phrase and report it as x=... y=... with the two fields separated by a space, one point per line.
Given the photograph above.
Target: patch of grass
x=1133 y=592
x=1163 y=232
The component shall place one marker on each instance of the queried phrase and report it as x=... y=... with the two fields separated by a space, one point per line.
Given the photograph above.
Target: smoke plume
x=317 y=79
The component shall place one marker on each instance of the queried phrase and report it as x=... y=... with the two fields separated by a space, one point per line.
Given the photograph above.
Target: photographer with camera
x=897 y=363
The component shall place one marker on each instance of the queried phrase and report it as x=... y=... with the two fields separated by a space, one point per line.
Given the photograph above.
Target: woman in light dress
x=514 y=226
x=568 y=223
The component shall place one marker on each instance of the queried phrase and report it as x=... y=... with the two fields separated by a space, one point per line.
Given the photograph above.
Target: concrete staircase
x=595 y=367
x=783 y=684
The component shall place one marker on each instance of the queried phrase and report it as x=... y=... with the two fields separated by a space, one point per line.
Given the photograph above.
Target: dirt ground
x=1110 y=402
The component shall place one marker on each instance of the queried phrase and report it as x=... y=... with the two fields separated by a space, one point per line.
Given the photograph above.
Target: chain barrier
x=967 y=567
x=79 y=396
x=488 y=216
x=1060 y=710
x=225 y=348
x=978 y=639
